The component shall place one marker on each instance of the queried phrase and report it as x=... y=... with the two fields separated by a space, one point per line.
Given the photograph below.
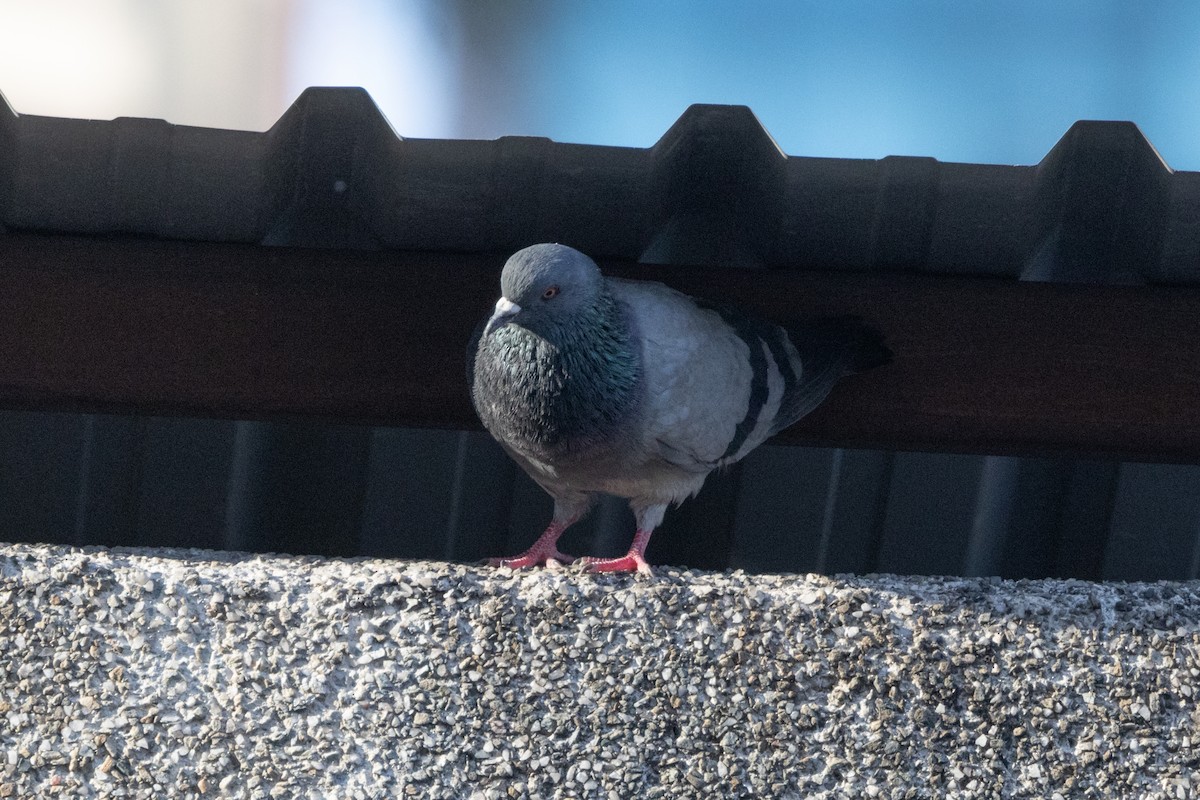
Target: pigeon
x=599 y=385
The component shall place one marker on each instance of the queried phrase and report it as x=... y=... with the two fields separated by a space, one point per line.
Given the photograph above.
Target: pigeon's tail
x=867 y=350
x=830 y=348
x=838 y=346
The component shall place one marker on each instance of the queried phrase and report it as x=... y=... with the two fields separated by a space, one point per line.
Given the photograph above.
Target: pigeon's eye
x=550 y=293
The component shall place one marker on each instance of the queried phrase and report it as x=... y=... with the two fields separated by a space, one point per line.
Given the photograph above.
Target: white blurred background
x=982 y=82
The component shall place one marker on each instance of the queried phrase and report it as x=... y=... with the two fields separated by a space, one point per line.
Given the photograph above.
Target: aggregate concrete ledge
x=201 y=674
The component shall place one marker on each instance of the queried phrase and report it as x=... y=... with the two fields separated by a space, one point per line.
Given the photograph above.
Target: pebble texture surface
x=154 y=674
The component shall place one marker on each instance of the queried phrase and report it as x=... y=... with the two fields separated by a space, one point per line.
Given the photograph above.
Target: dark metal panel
x=930 y=511
x=320 y=149
x=1021 y=529
x=982 y=202
x=140 y=169
x=856 y=511
x=332 y=172
x=441 y=494
x=1155 y=526
x=1180 y=259
x=120 y=480
x=528 y=514
x=60 y=175
x=409 y=497
x=700 y=532
x=40 y=456
x=597 y=199
x=782 y=510
x=216 y=187
x=297 y=488
x=831 y=205
x=240 y=331
x=481 y=495
x=1042 y=518
x=110 y=479
x=1103 y=197
x=719 y=177
x=8 y=161
x=992 y=521
x=184 y=483
x=1083 y=524
x=905 y=213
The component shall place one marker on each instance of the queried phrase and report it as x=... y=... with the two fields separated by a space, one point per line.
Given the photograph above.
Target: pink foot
x=630 y=562
x=533 y=557
x=544 y=550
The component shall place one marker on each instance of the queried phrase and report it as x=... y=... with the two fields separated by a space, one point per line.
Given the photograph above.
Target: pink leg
x=543 y=551
x=633 y=561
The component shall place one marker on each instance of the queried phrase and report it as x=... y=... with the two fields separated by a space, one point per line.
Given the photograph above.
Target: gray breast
x=546 y=400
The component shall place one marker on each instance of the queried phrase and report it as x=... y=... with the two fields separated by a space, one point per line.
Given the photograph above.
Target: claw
x=630 y=562
x=544 y=550
x=633 y=561
x=533 y=557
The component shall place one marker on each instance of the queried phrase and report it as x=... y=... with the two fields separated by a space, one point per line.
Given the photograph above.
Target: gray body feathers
x=633 y=389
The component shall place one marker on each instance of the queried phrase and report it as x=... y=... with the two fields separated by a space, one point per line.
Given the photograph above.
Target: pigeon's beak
x=505 y=310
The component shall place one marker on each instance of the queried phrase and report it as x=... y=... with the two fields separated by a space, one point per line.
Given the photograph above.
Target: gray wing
x=714 y=382
x=720 y=381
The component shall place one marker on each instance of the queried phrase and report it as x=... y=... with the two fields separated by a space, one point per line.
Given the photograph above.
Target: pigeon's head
x=545 y=286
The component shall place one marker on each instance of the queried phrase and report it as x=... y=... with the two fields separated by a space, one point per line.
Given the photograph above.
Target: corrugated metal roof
x=1101 y=206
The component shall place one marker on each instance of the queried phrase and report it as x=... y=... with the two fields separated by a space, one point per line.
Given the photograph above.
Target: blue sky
x=960 y=81
x=988 y=82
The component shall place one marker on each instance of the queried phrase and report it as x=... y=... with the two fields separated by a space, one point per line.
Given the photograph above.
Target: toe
x=514 y=562
x=627 y=563
x=532 y=558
